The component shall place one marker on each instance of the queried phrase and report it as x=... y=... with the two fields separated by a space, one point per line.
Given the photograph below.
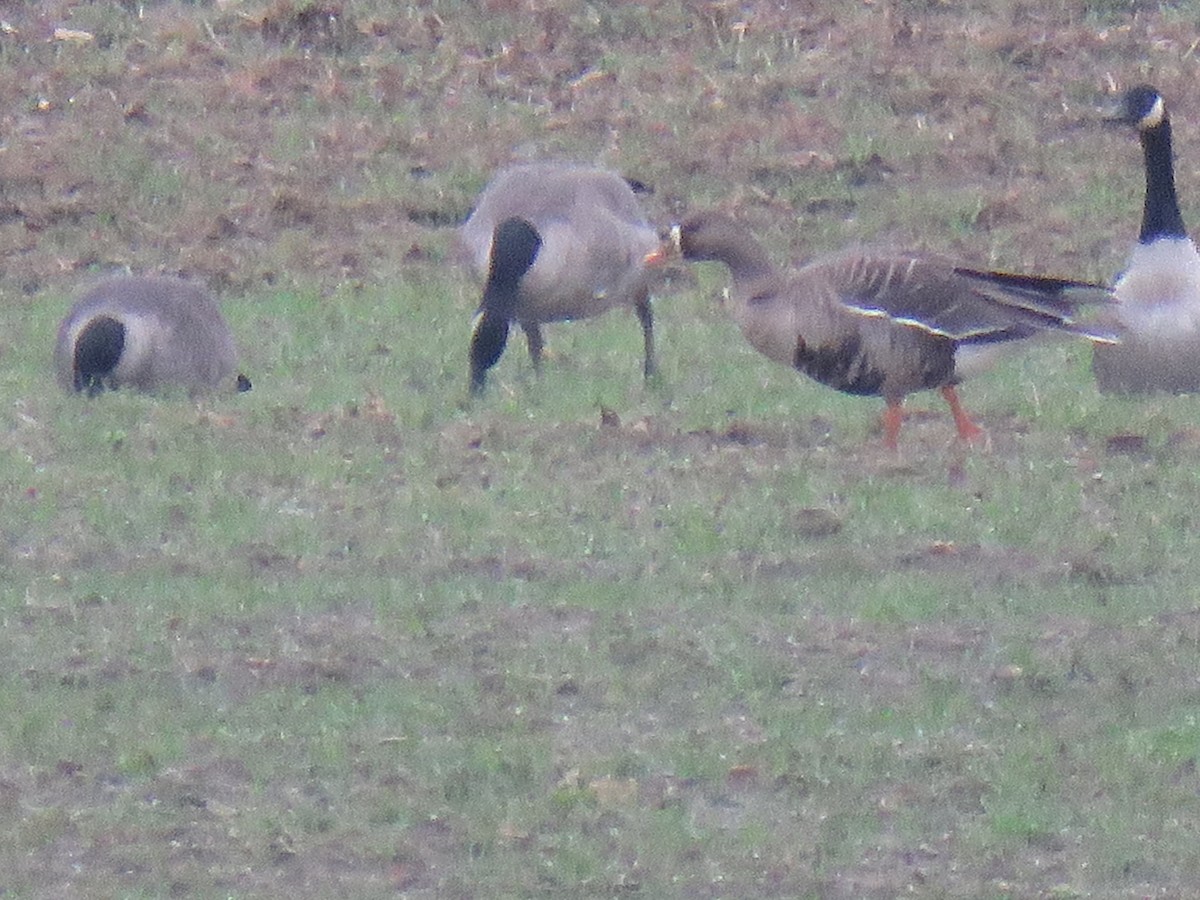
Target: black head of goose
x=1158 y=294
x=879 y=323
x=555 y=242
x=145 y=333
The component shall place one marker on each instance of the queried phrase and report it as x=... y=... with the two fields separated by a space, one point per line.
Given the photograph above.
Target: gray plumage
x=878 y=322
x=145 y=333
x=575 y=248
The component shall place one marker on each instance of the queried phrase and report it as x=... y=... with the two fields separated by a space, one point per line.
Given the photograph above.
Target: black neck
x=515 y=246
x=1160 y=215
x=98 y=349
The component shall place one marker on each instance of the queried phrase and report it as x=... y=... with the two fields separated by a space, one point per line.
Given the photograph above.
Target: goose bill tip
x=669 y=249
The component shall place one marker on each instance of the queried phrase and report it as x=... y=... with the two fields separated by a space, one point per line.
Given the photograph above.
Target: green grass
x=440 y=614
x=350 y=633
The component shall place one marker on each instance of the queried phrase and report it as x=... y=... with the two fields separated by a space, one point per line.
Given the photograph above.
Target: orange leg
x=967 y=430
x=893 y=418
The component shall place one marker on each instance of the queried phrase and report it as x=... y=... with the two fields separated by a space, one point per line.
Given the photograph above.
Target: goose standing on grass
x=1158 y=295
x=555 y=242
x=879 y=323
x=145 y=333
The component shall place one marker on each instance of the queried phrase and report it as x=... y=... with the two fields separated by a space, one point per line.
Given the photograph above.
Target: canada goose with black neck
x=879 y=323
x=145 y=333
x=555 y=242
x=1158 y=295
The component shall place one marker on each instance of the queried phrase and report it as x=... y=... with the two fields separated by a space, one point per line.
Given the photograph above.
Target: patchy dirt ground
x=252 y=143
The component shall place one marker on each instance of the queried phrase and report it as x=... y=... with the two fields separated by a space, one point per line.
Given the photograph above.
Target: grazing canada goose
x=878 y=322
x=1158 y=295
x=145 y=333
x=555 y=242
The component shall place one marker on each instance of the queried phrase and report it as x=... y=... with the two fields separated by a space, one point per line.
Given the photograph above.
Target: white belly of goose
x=1159 y=294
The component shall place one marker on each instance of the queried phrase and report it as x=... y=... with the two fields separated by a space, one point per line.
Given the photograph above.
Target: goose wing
x=1043 y=302
x=933 y=295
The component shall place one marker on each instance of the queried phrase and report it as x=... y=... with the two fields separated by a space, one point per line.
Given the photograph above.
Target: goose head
x=712 y=236
x=1141 y=107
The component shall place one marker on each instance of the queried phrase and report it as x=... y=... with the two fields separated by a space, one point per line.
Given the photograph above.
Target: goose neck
x=1160 y=214
x=745 y=257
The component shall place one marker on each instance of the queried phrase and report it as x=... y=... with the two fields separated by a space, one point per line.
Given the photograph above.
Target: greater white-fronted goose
x=1158 y=295
x=555 y=242
x=879 y=323
x=145 y=333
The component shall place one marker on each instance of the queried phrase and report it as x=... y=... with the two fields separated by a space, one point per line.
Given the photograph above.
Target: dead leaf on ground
x=1127 y=444
x=815 y=522
x=614 y=792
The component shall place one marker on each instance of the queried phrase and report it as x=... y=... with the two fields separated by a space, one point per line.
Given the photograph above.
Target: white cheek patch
x=1155 y=116
x=483 y=257
x=139 y=345
x=137 y=335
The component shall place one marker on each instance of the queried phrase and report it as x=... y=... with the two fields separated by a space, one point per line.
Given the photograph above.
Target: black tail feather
x=1045 y=295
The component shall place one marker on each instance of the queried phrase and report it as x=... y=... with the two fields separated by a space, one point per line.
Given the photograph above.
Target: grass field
x=348 y=635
